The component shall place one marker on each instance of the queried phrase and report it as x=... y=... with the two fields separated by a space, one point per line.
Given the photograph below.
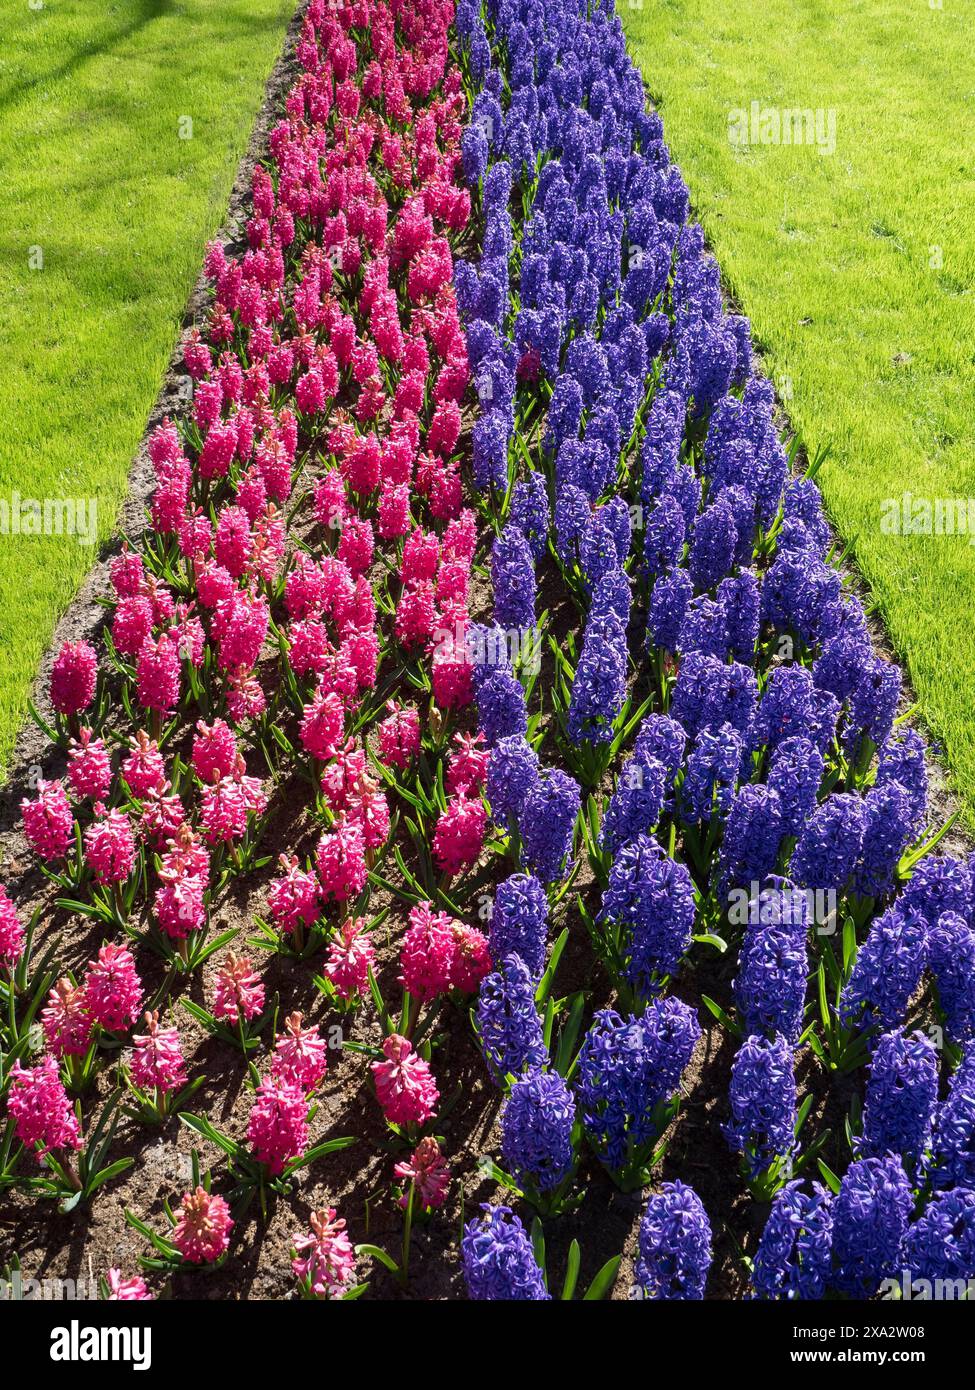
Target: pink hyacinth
x=293 y=897
x=178 y=905
x=299 y=1055
x=157 y=1058
x=157 y=674
x=66 y=1020
x=109 y=846
x=325 y=1262
x=89 y=767
x=277 y=1129
x=214 y=751
x=398 y=735
x=341 y=861
x=225 y=808
x=468 y=764
x=238 y=990
x=39 y=1107
x=459 y=836
x=113 y=990
x=351 y=955
x=428 y=1173
x=48 y=821
x=126 y=573
x=73 y=678
x=11 y=933
x=472 y=960
x=405 y=1086
x=323 y=724
x=126 y=1290
x=202 y=1231
x=144 y=769
x=427 y=953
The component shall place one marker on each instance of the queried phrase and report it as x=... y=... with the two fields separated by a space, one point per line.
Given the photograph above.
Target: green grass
x=857 y=271
x=94 y=173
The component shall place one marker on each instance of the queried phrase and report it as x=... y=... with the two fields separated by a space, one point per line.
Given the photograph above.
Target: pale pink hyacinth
x=341 y=861
x=113 y=990
x=351 y=956
x=238 y=990
x=66 y=1020
x=40 y=1109
x=121 y=1290
x=405 y=1086
x=202 y=1231
x=293 y=898
x=428 y=1173
x=157 y=1058
x=300 y=1055
x=109 y=846
x=49 y=821
x=12 y=934
x=325 y=1262
x=278 y=1126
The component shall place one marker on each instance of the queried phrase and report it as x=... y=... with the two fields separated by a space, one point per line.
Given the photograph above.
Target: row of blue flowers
x=714 y=725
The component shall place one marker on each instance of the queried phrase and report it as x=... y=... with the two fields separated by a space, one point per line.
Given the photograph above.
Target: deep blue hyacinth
x=793 y=1256
x=901 y=759
x=513 y=579
x=648 y=906
x=662 y=738
x=941 y=1242
x=710 y=693
x=953 y=1149
x=668 y=604
x=870 y=1214
x=519 y=922
x=770 y=989
x=752 y=837
x=628 y=1066
x=513 y=770
x=939 y=885
x=547 y=824
x=762 y=1095
x=675 y=1245
x=902 y=1092
x=599 y=687
x=951 y=960
x=499 y=1262
x=529 y=512
x=711 y=775
x=536 y=1130
x=830 y=845
x=636 y=804
x=796 y=773
x=887 y=971
x=508 y=1025
x=501 y=707
x=889 y=831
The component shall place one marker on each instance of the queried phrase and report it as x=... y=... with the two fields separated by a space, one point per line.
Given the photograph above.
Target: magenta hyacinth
x=300 y=1055
x=238 y=990
x=278 y=1126
x=49 y=821
x=427 y=1172
x=325 y=1260
x=110 y=846
x=12 y=934
x=39 y=1107
x=73 y=678
x=157 y=1058
x=350 y=958
x=113 y=990
x=202 y=1230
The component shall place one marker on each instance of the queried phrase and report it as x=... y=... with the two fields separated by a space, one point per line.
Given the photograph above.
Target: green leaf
x=572 y=1271
x=603 y=1283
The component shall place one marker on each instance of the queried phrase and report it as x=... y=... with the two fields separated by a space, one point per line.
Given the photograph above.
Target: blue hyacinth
x=536 y=1130
x=499 y=1262
x=674 y=1245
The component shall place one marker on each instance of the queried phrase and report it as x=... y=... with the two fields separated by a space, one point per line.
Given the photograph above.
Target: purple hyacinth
x=941 y=1242
x=508 y=1026
x=870 y=1214
x=763 y=1103
x=501 y=707
x=902 y=1092
x=627 y=1067
x=752 y=837
x=499 y=1262
x=513 y=770
x=536 y=1130
x=770 y=989
x=901 y=759
x=952 y=1159
x=889 y=831
x=636 y=804
x=887 y=971
x=648 y=907
x=599 y=687
x=668 y=604
x=713 y=544
x=675 y=1245
x=529 y=512
x=939 y=885
x=519 y=922
x=830 y=844
x=795 y=773
x=513 y=579
x=547 y=824
x=951 y=960
x=711 y=775
x=793 y=1256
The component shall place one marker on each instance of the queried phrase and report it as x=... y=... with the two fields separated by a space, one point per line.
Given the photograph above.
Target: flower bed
x=631 y=839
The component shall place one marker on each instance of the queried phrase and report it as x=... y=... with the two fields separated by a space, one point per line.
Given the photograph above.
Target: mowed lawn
x=104 y=214
x=857 y=268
